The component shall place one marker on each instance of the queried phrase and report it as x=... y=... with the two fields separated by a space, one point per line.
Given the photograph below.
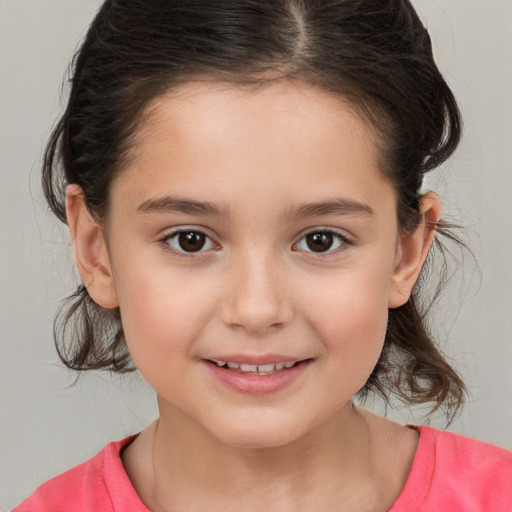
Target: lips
x=257 y=375
x=256 y=369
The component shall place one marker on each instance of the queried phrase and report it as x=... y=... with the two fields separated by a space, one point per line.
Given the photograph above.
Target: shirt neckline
x=421 y=475
x=412 y=496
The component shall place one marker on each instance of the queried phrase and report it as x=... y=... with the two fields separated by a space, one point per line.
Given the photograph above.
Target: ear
x=413 y=250
x=91 y=253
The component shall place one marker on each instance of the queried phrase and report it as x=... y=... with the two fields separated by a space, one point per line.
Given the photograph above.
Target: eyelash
x=342 y=240
x=167 y=239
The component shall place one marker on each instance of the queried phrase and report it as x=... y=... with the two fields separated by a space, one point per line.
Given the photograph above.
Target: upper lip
x=255 y=359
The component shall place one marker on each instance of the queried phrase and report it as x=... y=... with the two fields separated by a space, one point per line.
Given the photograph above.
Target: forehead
x=282 y=136
x=296 y=107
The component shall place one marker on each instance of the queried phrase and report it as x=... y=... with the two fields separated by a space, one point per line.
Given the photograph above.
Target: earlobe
x=413 y=250
x=90 y=248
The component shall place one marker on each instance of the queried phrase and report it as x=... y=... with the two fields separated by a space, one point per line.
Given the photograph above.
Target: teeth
x=266 y=367
x=248 y=367
x=257 y=369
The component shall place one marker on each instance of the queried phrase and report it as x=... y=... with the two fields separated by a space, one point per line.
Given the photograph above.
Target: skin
x=258 y=155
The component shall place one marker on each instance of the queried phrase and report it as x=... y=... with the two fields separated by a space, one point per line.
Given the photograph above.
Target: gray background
x=47 y=426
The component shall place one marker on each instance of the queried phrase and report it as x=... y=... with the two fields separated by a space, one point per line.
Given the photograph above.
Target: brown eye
x=321 y=241
x=189 y=241
x=192 y=241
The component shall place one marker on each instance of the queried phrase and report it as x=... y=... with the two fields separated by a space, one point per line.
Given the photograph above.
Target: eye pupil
x=191 y=241
x=319 y=242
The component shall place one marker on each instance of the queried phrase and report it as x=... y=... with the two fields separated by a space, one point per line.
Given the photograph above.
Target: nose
x=256 y=298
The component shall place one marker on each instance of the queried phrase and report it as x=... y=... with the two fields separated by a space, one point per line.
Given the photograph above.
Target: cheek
x=162 y=312
x=350 y=318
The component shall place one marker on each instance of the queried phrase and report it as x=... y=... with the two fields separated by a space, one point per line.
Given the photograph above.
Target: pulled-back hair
x=375 y=54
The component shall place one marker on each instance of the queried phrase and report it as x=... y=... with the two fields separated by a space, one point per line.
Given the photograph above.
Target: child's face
x=289 y=251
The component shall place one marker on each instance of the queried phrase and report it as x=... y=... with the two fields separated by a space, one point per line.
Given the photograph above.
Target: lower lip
x=257 y=384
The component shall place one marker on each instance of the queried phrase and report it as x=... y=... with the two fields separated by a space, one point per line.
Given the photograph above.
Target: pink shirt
x=450 y=473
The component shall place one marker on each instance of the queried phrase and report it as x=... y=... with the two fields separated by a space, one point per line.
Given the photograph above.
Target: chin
x=258 y=435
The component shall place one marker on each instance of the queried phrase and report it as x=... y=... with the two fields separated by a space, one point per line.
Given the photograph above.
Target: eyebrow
x=335 y=206
x=174 y=204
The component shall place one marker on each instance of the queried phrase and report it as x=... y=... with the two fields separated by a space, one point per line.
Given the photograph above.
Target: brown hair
x=374 y=53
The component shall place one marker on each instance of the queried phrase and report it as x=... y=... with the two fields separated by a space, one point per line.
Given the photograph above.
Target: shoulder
x=453 y=472
x=98 y=484
x=480 y=467
x=477 y=456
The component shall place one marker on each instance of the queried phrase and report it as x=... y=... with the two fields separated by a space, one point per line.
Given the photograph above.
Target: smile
x=257 y=369
x=257 y=375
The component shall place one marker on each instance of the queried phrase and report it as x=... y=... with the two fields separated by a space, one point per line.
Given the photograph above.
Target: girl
x=241 y=180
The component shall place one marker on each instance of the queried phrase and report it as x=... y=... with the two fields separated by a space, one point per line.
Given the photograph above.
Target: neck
x=192 y=470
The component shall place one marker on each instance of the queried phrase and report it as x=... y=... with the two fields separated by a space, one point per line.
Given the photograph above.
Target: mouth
x=256 y=369
x=260 y=370
x=258 y=375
